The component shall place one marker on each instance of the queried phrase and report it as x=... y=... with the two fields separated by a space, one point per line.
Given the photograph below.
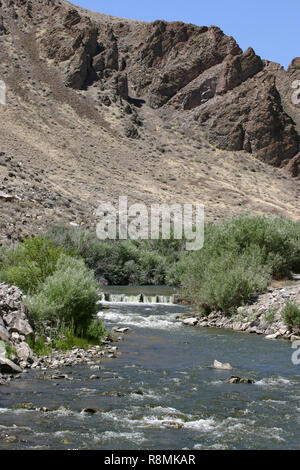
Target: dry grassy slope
x=61 y=155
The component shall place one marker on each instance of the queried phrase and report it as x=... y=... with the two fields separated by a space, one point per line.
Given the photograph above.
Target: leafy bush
x=175 y=272
x=120 y=262
x=291 y=313
x=95 y=330
x=276 y=238
x=224 y=282
x=30 y=263
x=238 y=259
x=67 y=298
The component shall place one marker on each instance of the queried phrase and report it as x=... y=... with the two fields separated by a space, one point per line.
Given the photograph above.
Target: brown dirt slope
x=99 y=107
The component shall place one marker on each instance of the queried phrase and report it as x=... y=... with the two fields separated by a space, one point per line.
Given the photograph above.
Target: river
x=166 y=394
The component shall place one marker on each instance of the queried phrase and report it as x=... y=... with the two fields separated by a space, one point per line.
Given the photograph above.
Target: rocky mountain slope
x=99 y=107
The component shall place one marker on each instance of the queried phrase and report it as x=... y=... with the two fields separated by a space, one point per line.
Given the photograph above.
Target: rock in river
x=240 y=380
x=190 y=321
x=220 y=365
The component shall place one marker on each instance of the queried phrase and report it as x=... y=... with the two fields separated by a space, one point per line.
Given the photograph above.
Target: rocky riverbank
x=263 y=317
x=16 y=355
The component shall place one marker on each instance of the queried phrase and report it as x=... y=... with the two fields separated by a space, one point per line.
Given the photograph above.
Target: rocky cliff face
x=232 y=96
x=93 y=98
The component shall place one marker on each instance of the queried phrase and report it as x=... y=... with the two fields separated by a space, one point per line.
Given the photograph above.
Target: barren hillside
x=99 y=107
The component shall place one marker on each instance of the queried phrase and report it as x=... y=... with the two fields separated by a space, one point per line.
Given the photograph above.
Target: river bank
x=263 y=317
x=16 y=356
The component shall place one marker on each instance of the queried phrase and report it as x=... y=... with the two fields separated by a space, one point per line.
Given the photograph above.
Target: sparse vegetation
x=269 y=315
x=10 y=350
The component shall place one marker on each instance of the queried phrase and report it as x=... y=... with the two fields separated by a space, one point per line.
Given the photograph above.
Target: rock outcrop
x=236 y=98
x=15 y=326
x=251 y=118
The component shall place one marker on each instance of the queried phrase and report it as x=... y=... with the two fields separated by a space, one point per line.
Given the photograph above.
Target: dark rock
x=131 y=132
x=72 y=18
x=240 y=380
x=121 y=85
x=3 y=28
x=251 y=118
x=90 y=411
x=8 y=367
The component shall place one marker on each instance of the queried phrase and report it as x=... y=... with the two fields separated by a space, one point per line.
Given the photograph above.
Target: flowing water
x=166 y=394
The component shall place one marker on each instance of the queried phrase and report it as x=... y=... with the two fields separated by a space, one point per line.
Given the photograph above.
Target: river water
x=166 y=394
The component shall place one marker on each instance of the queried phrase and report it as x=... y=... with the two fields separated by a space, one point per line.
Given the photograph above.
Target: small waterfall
x=136 y=299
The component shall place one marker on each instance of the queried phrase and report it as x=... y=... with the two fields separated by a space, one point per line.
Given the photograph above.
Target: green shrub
x=175 y=272
x=30 y=263
x=224 y=282
x=67 y=298
x=95 y=330
x=291 y=313
x=120 y=262
x=277 y=238
x=238 y=259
